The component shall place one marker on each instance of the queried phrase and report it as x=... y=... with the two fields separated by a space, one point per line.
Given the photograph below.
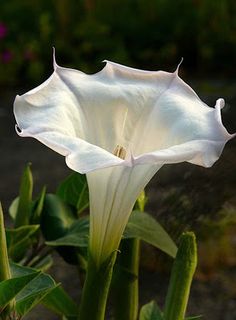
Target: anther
x=120 y=152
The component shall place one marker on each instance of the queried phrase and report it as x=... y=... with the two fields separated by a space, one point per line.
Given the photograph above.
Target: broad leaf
x=57 y=217
x=74 y=191
x=24 y=305
x=150 y=311
x=77 y=236
x=19 y=240
x=25 y=198
x=12 y=287
x=56 y=220
x=34 y=291
x=142 y=226
x=59 y=302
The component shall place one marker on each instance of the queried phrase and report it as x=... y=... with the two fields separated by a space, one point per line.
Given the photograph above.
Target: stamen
x=120 y=152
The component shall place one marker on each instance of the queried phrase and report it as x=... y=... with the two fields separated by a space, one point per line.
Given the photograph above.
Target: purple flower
x=3 y=30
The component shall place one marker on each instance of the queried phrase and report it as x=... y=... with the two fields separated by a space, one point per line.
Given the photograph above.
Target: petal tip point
x=221 y=103
x=178 y=66
x=55 y=65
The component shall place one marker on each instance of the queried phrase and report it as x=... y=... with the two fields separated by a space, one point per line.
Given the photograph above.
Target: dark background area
x=147 y=34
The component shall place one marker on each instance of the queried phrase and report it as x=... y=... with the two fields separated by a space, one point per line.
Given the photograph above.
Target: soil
x=180 y=197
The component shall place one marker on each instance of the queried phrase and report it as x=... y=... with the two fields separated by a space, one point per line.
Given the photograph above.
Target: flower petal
x=153 y=115
x=112 y=194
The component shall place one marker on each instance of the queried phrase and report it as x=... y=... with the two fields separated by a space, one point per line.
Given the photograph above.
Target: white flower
x=119 y=126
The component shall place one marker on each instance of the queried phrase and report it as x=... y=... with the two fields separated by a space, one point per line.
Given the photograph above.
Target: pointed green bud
x=25 y=198
x=181 y=278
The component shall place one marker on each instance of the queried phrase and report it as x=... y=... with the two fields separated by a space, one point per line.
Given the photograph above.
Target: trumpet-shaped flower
x=120 y=126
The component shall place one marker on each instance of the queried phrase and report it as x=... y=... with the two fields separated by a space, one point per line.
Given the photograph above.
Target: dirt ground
x=178 y=195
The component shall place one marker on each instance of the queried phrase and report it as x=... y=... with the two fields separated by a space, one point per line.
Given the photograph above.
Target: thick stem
x=125 y=289
x=125 y=282
x=96 y=288
x=181 y=278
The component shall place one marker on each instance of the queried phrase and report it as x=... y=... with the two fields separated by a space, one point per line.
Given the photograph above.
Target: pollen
x=120 y=152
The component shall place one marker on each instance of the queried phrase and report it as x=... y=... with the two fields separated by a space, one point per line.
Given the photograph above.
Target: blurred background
x=147 y=34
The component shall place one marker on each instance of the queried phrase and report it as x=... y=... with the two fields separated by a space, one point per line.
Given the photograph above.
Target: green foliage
x=150 y=311
x=74 y=191
x=96 y=289
x=57 y=217
x=28 y=287
x=141 y=225
x=19 y=240
x=181 y=278
x=5 y=273
x=141 y=202
x=38 y=207
x=59 y=302
x=23 y=209
x=125 y=281
x=76 y=236
x=10 y=288
x=36 y=289
x=25 y=198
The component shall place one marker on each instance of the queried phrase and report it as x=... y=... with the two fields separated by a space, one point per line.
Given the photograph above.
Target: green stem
x=125 y=281
x=125 y=288
x=35 y=251
x=4 y=262
x=5 y=272
x=181 y=278
x=96 y=288
x=33 y=263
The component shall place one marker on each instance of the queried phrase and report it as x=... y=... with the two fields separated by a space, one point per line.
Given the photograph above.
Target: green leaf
x=74 y=191
x=34 y=291
x=13 y=208
x=24 y=305
x=44 y=264
x=77 y=236
x=142 y=226
x=12 y=287
x=56 y=218
x=19 y=240
x=25 y=198
x=141 y=201
x=150 y=311
x=38 y=207
x=193 y=318
x=61 y=303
